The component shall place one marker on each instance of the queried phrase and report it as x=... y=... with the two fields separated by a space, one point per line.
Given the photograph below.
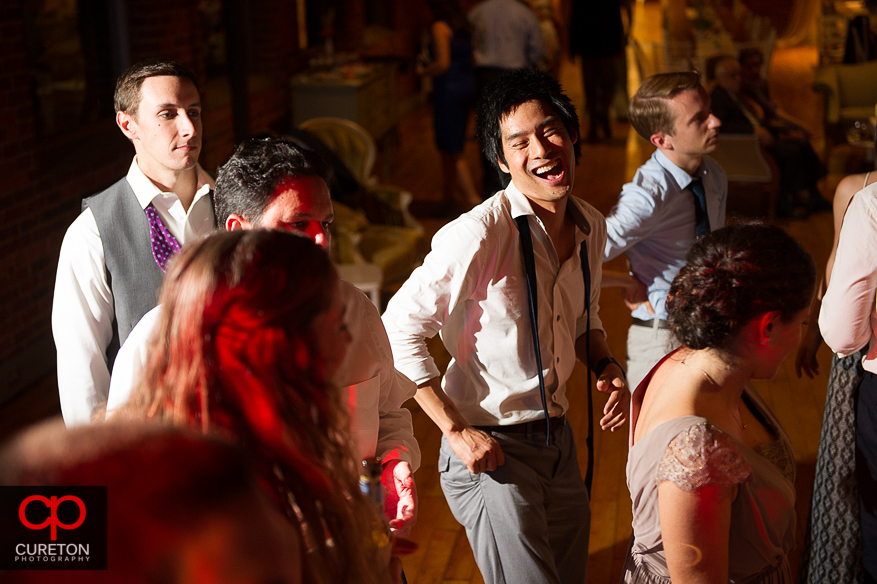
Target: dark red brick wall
x=168 y=29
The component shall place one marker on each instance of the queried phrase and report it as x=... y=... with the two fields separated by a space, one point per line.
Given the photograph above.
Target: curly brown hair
x=733 y=275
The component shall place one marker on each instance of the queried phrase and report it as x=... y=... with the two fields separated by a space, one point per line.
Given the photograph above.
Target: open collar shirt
x=654 y=223
x=848 y=318
x=472 y=290
x=82 y=307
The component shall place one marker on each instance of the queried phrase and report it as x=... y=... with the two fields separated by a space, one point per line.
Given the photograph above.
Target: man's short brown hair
x=127 y=97
x=649 y=111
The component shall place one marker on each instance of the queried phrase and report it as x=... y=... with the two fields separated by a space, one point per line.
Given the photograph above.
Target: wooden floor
x=444 y=554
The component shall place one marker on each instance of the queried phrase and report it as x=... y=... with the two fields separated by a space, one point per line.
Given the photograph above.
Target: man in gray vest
x=113 y=256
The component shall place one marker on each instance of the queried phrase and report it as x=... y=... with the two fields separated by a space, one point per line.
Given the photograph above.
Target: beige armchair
x=353 y=145
x=850 y=94
x=753 y=187
x=386 y=248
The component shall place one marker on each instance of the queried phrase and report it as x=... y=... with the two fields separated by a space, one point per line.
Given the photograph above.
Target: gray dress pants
x=529 y=520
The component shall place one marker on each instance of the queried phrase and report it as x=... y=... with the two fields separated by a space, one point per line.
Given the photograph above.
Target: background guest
x=799 y=166
x=597 y=34
x=453 y=96
x=756 y=89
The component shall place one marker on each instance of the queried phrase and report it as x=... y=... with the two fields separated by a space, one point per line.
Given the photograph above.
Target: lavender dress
x=692 y=452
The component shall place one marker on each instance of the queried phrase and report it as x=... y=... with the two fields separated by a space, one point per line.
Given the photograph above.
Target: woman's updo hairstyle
x=733 y=275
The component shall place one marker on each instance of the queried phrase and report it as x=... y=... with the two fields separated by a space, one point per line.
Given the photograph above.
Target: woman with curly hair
x=710 y=471
x=251 y=330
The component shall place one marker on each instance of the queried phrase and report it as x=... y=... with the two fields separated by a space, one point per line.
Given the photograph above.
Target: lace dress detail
x=702 y=455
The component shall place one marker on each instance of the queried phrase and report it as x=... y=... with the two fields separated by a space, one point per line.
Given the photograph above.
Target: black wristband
x=604 y=362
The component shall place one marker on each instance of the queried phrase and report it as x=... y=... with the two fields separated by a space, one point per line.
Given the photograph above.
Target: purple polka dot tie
x=164 y=244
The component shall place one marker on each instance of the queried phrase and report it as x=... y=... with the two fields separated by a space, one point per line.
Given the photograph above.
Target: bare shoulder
x=672 y=393
x=847 y=187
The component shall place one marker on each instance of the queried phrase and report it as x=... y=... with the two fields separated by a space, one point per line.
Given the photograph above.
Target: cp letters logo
x=53 y=528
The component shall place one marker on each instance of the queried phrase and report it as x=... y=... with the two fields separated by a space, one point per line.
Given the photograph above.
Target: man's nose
x=540 y=146
x=186 y=125
x=319 y=235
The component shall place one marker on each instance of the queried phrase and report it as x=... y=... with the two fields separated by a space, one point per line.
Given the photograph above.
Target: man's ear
x=661 y=140
x=574 y=136
x=502 y=165
x=236 y=222
x=127 y=124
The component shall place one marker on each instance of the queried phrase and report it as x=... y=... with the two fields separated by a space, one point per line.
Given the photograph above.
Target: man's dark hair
x=246 y=183
x=512 y=89
x=127 y=97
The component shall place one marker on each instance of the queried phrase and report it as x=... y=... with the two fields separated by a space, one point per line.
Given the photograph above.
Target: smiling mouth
x=552 y=171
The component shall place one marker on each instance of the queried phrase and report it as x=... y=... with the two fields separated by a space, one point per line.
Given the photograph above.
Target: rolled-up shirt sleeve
x=419 y=309
x=847 y=317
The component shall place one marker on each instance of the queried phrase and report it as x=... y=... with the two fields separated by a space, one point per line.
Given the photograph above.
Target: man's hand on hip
x=478 y=450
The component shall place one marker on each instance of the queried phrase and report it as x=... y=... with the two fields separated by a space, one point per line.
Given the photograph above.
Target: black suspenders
x=530 y=271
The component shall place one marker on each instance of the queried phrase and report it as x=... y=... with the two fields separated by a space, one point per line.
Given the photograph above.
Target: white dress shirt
x=847 y=320
x=472 y=289
x=83 y=309
x=505 y=34
x=376 y=391
x=654 y=223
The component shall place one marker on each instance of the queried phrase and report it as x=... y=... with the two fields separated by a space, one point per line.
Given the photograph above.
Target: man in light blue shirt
x=660 y=213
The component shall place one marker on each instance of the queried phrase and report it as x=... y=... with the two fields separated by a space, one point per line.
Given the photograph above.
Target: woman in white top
x=847 y=321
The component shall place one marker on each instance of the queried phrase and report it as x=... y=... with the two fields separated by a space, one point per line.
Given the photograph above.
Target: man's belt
x=654 y=323
x=534 y=427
